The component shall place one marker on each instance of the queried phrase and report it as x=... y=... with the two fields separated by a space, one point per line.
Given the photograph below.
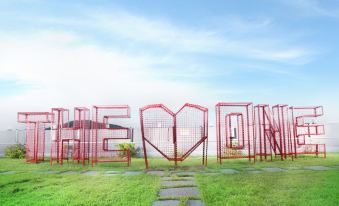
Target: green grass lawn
x=34 y=189
x=283 y=188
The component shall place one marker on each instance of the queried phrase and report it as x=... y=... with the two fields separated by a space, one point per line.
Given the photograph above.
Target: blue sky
x=71 y=53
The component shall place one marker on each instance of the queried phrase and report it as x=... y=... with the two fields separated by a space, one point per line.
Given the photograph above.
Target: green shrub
x=17 y=151
x=130 y=146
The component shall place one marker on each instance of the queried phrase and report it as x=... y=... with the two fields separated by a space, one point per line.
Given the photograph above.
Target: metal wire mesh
x=82 y=126
x=35 y=133
x=306 y=130
x=174 y=135
x=59 y=126
x=107 y=135
x=235 y=132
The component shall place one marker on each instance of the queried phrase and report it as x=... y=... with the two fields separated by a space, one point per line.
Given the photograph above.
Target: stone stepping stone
x=131 y=173
x=7 y=172
x=177 y=178
x=166 y=203
x=299 y=170
x=317 y=168
x=179 y=192
x=177 y=183
x=273 y=169
x=293 y=168
x=185 y=173
x=229 y=171
x=194 y=203
x=45 y=172
x=156 y=172
x=335 y=166
x=111 y=173
x=69 y=173
x=91 y=173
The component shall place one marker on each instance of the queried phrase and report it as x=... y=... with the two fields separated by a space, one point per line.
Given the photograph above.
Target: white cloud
x=179 y=39
x=67 y=75
x=240 y=37
x=67 y=70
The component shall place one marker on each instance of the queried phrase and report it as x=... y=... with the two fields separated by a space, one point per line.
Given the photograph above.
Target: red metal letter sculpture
x=35 y=134
x=304 y=126
x=58 y=148
x=82 y=126
x=105 y=134
x=235 y=132
x=174 y=135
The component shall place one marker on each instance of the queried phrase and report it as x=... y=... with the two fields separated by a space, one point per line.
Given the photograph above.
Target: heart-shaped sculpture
x=174 y=135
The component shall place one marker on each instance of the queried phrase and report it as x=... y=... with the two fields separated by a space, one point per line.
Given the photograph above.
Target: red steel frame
x=228 y=146
x=104 y=137
x=301 y=130
x=60 y=124
x=281 y=120
x=174 y=135
x=82 y=133
x=273 y=131
x=35 y=133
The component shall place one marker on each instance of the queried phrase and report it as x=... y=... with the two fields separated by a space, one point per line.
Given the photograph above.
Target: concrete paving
x=166 y=203
x=156 y=172
x=273 y=169
x=131 y=173
x=176 y=183
x=113 y=172
x=91 y=173
x=45 y=172
x=185 y=173
x=229 y=171
x=69 y=173
x=317 y=168
x=194 y=203
x=176 y=178
x=179 y=192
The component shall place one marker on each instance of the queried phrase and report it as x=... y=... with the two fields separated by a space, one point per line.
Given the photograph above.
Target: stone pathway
x=184 y=176
x=229 y=171
x=178 y=187
x=45 y=172
x=91 y=173
x=69 y=173
x=273 y=169
x=317 y=168
x=131 y=173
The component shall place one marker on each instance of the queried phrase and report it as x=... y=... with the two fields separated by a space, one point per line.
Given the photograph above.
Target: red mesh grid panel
x=281 y=119
x=82 y=127
x=235 y=131
x=32 y=117
x=61 y=122
x=266 y=142
x=35 y=134
x=174 y=135
x=107 y=135
x=305 y=130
